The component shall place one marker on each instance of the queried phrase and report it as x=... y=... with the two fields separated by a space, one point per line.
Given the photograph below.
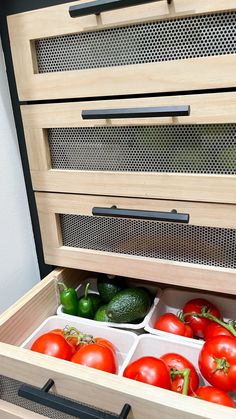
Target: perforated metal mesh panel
x=197 y=36
x=9 y=393
x=181 y=149
x=193 y=244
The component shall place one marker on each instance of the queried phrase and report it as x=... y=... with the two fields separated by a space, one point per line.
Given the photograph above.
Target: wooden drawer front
x=154 y=47
x=200 y=254
x=186 y=157
x=109 y=392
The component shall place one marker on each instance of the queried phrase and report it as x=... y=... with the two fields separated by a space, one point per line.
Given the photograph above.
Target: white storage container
x=172 y=301
x=123 y=341
x=137 y=327
x=149 y=345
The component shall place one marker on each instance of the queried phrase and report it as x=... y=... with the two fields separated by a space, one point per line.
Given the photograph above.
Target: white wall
x=18 y=262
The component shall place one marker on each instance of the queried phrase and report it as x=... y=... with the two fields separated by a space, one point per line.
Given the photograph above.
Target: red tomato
x=107 y=343
x=170 y=323
x=214 y=329
x=214 y=395
x=96 y=356
x=54 y=345
x=188 y=331
x=70 y=339
x=198 y=324
x=149 y=370
x=217 y=362
x=178 y=362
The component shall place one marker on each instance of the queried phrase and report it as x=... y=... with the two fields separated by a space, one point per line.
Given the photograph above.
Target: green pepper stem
x=210 y=316
x=61 y=284
x=186 y=376
x=86 y=290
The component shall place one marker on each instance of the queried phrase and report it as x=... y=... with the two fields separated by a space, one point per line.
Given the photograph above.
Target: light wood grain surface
x=109 y=392
x=163 y=271
x=205 y=109
x=191 y=74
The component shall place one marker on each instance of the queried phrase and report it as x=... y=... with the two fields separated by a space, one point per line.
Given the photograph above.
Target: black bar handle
x=157 y=112
x=65 y=405
x=99 y=6
x=172 y=216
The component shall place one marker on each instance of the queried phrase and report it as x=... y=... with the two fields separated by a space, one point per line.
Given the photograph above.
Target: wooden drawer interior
x=75 y=381
x=52 y=59
x=186 y=157
x=199 y=254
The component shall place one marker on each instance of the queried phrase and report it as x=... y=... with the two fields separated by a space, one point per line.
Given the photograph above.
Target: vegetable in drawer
x=71 y=345
x=68 y=298
x=129 y=305
x=108 y=287
x=86 y=305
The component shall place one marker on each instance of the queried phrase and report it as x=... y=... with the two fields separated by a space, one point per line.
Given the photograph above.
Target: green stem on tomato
x=207 y=315
x=221 y=364
x=186 y=376
x=75 y=333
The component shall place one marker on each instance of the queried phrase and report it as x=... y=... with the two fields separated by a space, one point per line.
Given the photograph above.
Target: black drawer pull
x=172 y=216
x=66 y=406
x=157 y=112
x=99 y=6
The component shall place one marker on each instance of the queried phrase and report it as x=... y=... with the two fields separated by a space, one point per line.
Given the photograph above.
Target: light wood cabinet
x=149 y=48
x=199 y=254
x=150 y=194
x=191 y=157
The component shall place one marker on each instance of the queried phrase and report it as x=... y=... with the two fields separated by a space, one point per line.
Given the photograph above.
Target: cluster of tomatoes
x=172 y=371
x=217 y=360
x=196 y=320
x=71 y=345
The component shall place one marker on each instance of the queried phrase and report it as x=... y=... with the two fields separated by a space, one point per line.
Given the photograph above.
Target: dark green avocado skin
x=129 y=305
x=108 y=288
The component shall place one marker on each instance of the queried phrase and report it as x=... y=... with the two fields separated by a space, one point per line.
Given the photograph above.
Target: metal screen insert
x=9 y=392
x=166 y=40
x=209 y=149
x=192 y=244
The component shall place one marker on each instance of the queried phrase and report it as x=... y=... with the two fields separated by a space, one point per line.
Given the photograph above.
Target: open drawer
x=101 y=390
x=180 y=147
x=174 y=242
x=153 y=46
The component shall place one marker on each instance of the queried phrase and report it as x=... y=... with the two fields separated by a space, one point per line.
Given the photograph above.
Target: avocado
x=108 y=287
x=129 y=305
x=100 y=315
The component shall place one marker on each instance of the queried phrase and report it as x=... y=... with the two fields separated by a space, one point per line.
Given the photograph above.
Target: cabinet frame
x=205 y=109
x=179 y=75
x=158 y=270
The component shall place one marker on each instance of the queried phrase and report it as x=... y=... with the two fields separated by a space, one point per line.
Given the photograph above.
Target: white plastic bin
x=137 y=327
x=172 y=301
x=123 y=340
x=149 y=345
